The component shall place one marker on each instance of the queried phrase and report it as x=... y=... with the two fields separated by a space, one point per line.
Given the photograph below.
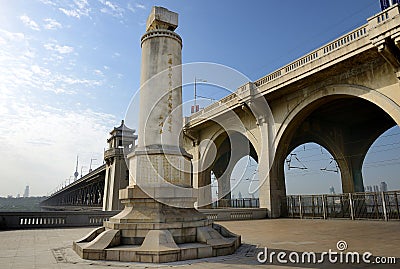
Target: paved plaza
x=51 y=248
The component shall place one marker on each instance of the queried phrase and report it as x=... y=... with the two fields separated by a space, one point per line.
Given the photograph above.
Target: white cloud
x=48 y=2
x=51 y=24
x=58 y=48
x=78 y=9
x=40 y=71
x=98 y=72
x=131 y=8
x=68 y=81
x=140 y=6
x=45 y=132
x=70 y=12
x=82 y=4
x=48 y=139
x=29 y=22
x=11 y=37
x=111 y=8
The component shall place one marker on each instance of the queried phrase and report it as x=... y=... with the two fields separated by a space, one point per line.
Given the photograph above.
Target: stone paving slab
x=51 y=248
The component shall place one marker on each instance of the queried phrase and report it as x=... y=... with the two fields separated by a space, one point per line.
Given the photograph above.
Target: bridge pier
x=223 y=171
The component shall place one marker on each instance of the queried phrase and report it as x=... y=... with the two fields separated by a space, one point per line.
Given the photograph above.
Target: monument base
x=150 y=231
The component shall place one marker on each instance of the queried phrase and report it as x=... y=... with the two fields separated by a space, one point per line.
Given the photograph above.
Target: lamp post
x=82 y=170
x=90 y=167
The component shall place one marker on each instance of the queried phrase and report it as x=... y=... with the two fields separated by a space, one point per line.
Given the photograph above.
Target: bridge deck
x=349 y=45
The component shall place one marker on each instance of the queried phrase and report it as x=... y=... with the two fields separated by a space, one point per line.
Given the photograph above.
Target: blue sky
x=68 y=69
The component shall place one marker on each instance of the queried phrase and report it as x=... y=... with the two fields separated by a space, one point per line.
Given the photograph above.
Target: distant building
x=376 y=188
x=18 y=195
x=368 y=188
x=331 y=190
x=240 y=195
x=384 y=186
x=26 y=192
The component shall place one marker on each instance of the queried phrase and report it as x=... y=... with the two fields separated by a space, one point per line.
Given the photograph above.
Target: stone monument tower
x=122 y=139
x=159 y=222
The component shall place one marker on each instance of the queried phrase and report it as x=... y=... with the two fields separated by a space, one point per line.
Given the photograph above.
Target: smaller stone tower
x=117 y=173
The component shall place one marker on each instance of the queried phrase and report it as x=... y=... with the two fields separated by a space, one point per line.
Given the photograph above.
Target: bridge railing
x=237 y=203
x=368 y=205
x=63 y=219
x=53 y=219
x=315 y=55
x=312 y=60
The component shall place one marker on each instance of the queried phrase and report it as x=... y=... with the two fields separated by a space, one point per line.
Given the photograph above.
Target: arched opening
x=345 y=125
x=214 y=187
x=311 y=169
x=244 y=180
x=381 y=165
x=229 y=161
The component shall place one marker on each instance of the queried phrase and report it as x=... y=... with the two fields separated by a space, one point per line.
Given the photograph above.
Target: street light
x=82 y=170
x=90 y=167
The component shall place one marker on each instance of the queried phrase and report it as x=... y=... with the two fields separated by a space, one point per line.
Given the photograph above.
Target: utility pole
x=195 y=108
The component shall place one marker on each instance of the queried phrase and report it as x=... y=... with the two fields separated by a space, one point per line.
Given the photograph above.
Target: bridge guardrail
x=368 y=205
x=237 y=203
x=53 y=219
x=64 y=219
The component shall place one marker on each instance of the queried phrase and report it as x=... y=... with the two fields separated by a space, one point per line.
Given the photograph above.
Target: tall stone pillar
x=159 y=212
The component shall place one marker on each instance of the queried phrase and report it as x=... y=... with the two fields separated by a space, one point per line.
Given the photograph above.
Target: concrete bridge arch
x=219 y=154
x=323 y=117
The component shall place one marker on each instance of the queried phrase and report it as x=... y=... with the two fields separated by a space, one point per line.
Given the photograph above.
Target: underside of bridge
x=230 y=148
x=345 y=125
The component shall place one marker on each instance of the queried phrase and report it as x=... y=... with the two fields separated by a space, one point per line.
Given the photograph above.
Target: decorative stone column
x=159 y=218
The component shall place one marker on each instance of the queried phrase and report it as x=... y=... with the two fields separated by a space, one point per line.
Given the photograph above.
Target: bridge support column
x=351 y=172
x=272 y=191
x=223 y=171
x=203 y=185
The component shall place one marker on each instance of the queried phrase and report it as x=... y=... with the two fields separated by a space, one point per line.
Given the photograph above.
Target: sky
x=68 y=70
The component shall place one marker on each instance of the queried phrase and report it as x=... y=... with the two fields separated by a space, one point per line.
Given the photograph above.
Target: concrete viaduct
x=342 y=96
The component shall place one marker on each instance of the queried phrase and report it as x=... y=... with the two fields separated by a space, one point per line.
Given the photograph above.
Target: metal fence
x=369 y=205
x=237 y=203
